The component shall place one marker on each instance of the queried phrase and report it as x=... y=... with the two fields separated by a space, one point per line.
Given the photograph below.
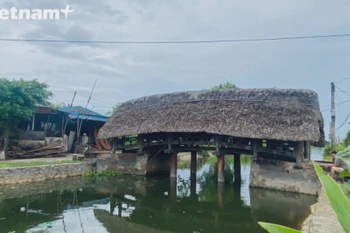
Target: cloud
x=127 y=71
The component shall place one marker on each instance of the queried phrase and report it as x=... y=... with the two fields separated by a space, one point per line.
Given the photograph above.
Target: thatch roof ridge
x=304 y=97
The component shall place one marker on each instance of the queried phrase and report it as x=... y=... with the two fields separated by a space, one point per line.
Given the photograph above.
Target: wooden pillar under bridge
x=307 y=150
x=237 y=167
x=256 y=144
x=173 y=165
x=111 y=204
x=221 y=168
x=298 y=153
x=193 y=162
x=193 y=173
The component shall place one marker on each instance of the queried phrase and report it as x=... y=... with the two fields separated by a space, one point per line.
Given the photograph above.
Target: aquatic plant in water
x=336 y=198
x=101 y=174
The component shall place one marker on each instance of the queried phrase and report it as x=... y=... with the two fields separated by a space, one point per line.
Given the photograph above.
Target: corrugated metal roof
x=79 y=112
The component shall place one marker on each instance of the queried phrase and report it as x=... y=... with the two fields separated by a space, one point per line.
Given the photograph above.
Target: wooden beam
x=276 y=152
x=237 y=146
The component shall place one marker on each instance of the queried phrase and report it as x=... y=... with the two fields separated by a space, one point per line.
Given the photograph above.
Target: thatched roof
x=282 y=114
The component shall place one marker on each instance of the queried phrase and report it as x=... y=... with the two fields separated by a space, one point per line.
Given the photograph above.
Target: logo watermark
x=34 y=14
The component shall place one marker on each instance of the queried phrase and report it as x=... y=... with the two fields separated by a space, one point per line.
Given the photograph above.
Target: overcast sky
x=129 y=71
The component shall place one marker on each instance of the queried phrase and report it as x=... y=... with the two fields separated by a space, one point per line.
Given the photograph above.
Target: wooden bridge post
x=193 y=173
x=114 y=145
x=256 y=146
x=221 y=168
x=173 y=165
x=307 y=150
x=193 y=162
x=298 y=153
x=237 y=167
x=111 y=204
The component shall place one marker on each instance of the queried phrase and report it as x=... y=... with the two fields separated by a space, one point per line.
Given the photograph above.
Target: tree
x=114 y=110
x=18 y=99
x=347 y=139
x=56 y=106
x=227 y=85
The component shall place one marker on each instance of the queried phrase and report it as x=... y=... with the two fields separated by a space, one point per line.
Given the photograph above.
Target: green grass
x=31 y=164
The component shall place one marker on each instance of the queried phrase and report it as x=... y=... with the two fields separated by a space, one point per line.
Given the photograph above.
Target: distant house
x=90 y=121
x=47 y=122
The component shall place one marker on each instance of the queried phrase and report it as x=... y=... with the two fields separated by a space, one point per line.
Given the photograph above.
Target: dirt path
x=322 y=219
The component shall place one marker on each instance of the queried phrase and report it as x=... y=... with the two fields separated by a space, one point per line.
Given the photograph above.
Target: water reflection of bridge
x=147 y=205
x=167 y=211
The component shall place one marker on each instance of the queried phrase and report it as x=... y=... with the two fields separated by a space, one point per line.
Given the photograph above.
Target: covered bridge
x=274 y=123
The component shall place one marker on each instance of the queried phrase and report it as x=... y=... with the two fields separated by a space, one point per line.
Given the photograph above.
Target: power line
x=342 y=91
x=105 y=102
x=342 y=80
x=94 y=106
x=337 y=104
x=344 y=121
x=86 y=96
x=177 y=42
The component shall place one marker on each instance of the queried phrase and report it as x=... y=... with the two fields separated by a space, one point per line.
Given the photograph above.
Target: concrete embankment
x=322 y=218
x=39 y=173
x=126 y=163
x=284 y=176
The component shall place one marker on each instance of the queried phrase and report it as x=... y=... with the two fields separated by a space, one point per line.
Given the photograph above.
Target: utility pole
x=70 y=106
x=81 y=123
x=332 y=125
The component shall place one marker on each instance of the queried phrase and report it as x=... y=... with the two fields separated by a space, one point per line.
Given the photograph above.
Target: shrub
x=328 y=149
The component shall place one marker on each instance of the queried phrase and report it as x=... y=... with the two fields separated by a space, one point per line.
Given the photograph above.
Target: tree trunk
x=4 y=144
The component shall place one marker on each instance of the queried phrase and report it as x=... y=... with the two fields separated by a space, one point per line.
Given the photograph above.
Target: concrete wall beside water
x=39 y=173
x=282 y=176
x=126 y=163
x=132 y=163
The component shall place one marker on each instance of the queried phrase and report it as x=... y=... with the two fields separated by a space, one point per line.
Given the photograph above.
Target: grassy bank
x=32 y=164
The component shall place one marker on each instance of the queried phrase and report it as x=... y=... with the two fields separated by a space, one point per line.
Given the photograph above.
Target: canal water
x=153 y=204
